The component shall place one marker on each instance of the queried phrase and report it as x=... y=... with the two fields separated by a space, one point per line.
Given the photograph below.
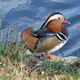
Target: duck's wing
x=44 y=32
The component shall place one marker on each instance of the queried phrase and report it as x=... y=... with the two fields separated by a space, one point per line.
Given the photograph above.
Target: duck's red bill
x=66 y=22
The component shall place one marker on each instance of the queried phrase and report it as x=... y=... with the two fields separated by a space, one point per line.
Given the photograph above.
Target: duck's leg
x=53 y=57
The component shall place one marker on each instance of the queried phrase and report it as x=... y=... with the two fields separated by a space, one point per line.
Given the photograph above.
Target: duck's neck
x=55 y=27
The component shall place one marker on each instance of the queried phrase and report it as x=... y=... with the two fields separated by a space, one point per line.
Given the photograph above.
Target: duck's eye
x=58 y=17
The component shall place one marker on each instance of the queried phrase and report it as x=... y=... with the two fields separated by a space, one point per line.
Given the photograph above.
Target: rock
x=72 y=59
x=74 y=62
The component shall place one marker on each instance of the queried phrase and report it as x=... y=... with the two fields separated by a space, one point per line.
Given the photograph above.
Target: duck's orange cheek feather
x=55 y=28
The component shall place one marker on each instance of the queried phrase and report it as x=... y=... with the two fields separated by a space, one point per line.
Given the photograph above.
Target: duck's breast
x=63 y=36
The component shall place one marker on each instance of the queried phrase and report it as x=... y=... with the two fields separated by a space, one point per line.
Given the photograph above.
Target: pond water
x=34 y=12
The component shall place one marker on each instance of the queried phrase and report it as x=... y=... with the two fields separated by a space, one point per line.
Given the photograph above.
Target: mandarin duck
x=51 y=36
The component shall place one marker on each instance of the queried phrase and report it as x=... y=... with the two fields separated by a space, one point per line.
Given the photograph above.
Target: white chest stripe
x=60 y=36
x=63 y=35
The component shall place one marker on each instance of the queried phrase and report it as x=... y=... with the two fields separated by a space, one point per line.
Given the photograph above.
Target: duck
x=50 y=37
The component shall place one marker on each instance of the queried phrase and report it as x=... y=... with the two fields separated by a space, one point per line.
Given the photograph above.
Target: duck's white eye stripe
x=53 y=17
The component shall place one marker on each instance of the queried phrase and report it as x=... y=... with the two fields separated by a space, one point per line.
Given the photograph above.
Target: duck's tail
x=28 y=39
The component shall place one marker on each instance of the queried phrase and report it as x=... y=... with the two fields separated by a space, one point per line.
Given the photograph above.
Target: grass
x=60 y=68
x=15 y=64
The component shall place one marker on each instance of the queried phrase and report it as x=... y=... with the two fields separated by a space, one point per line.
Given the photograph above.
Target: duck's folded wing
x=43 y=33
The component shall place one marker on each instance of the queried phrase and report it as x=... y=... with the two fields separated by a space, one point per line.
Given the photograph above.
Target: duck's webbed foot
x=53 y=57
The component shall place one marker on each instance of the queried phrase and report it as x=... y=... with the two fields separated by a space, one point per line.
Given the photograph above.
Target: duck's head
x=55 y=22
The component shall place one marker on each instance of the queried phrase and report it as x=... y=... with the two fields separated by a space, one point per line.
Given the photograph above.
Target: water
x=34 y=12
